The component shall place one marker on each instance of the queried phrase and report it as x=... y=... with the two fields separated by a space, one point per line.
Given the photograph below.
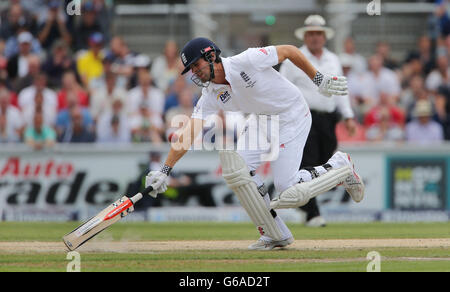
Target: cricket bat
x=102 y=220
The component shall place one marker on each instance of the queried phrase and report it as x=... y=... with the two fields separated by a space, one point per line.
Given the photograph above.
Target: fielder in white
x=247 y=83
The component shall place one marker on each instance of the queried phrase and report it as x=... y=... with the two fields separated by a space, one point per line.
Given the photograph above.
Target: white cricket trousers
x=285 y=168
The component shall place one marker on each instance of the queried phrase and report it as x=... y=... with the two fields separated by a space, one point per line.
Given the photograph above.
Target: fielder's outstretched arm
x=328 y=85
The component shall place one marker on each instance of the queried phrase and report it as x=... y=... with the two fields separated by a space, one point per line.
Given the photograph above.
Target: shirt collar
x=226 y=68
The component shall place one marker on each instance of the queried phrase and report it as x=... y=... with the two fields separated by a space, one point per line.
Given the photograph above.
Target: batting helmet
x=195 y=49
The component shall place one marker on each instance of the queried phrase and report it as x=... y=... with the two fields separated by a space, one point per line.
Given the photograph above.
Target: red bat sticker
x=119 y=209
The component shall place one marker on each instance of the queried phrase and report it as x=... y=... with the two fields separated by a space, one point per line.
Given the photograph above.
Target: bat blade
x=100 y=222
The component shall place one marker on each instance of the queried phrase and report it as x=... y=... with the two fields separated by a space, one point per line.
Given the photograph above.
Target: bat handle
x=147 y=190
x=139 y=196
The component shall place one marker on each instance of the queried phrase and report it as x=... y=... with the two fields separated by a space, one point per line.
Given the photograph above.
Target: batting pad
x=237 y=176
x=299 y=194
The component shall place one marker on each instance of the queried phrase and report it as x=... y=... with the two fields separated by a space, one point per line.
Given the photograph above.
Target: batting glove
x=331 y=85
x=158 y=180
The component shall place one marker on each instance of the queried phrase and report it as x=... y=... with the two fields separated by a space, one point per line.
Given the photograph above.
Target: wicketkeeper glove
x=331 y=85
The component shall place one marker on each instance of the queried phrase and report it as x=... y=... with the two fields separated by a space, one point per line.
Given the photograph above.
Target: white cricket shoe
x=317 y=221
x=353 y=184
x=262 y=244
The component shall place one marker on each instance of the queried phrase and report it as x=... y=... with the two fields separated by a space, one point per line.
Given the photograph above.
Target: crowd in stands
x=402 y=100
x=67 y=79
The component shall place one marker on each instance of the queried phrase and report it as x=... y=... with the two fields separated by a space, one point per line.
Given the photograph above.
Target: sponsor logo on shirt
x=247 y=80
x=245 y=77
x=263 y=51
x=224 y=96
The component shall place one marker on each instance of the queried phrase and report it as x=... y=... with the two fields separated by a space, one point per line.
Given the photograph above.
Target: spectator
x=54 y=27
x=39 y=9
x=34 y=69
x=384 y=50
x=442 y=104
x=343 y=135
x=39 y=96
x=396 y=114
x=443 y=48
x=100 y=81
x=423 y=129
x=146 y=93
x=4 y=85
x=358 y=63
x=57 y=63
x=355 y=88
x=103 y=97
x=3 y=68
x=112 y=126
x=88 y=26
x=77 y=131
x=424 y=53
x=411 y=67
x=378 y=79
x=166 y=67
x=15 y=44
x=185 y=107
x=421 y=95
x=63 y=119
x=18 y=63
x=4 y=131
x=3 y=61
x=413 y=90
x=141 y=64
x=15 y=17
x=11 y=120
x=442 y=17
x=90 y=64
x=144 y=126
x=70 y=86
x=384 y=129
x=122 y=58
x=440 y=76
x=104 y=13
x=2 y=48
x=38 y=135
x=174 y=91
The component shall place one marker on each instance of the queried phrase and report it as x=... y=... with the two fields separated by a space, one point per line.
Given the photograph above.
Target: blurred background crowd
x=70 y=79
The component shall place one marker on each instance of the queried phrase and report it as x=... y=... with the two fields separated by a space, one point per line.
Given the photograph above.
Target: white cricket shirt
x=256 y=88
x=328 y=63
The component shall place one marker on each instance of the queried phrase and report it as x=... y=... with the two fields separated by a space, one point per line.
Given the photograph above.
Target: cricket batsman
x=247 y=83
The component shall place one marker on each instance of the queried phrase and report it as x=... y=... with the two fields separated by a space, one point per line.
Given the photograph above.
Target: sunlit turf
x=323 y=260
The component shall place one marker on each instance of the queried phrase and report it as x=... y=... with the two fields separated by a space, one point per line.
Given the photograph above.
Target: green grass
x=324 y=260
x=15 y=231
x=233 y=261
